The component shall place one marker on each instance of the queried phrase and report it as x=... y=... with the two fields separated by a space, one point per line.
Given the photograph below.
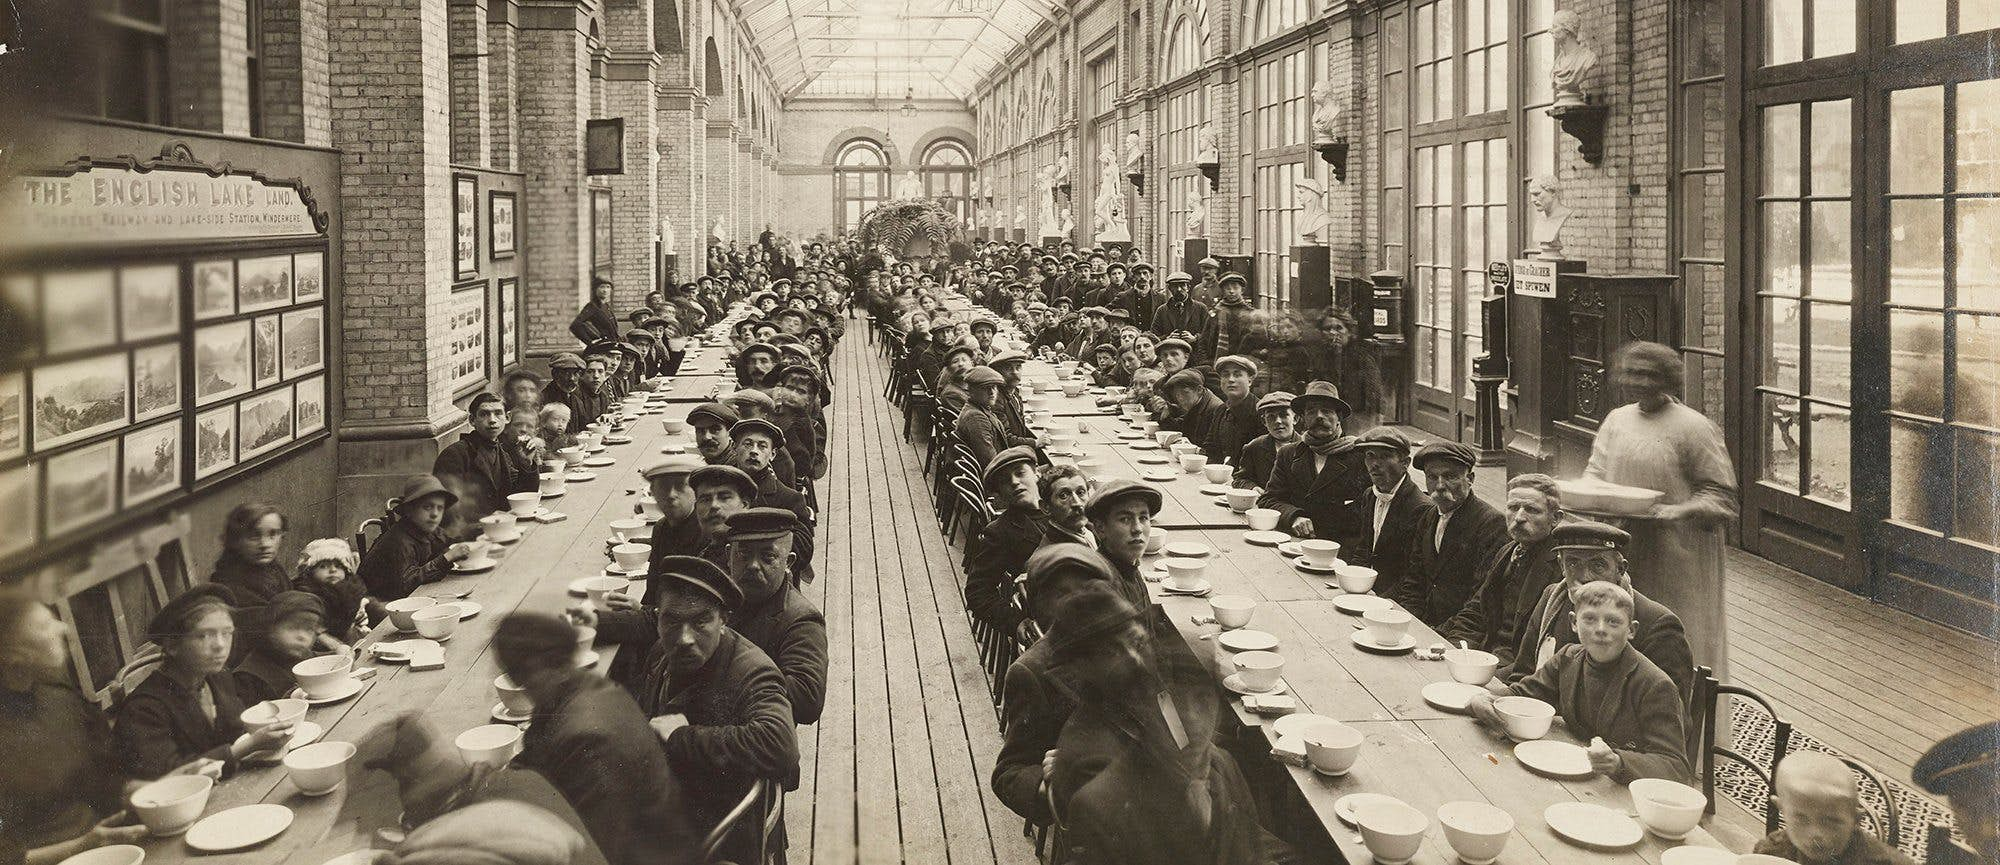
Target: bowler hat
x=1089 y=614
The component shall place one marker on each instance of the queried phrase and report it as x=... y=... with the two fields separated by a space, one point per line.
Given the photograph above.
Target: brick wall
x=295 y=87
x=503 y=121
x=471 y=136
x=554 y=82
x=207 y=55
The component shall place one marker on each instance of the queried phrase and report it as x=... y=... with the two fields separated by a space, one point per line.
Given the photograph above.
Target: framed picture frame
x=214 y=289
x=500 y=223
x=510 y=324
x=309 y=405
x=149 y=300
x=79 y=310
x=263 y=282
x=221 y=361
x=308 y=276
x=214 y=440
x=19 y=297
x=263 y=423
x=465 y=226
x=600 y=230
x=79 y=399
x=604 y=145
x=82 y=486
x=13 y=416
x=152 y=463
x=465 y=355
x=303 y=341
x=20 y=508
x=264 y=350
x=156 y=381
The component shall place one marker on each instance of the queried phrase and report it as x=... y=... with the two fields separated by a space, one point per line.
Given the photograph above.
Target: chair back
x=1881 y=809
x=1942 y=849
x=146 y=661
x=1704 y=753
x=755 y=811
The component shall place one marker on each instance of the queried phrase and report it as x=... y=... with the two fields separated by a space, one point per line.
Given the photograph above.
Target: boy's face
x=1819 y=824
x=426 y=514
x=328 y=573
x=1236 y=383
x=1277 y=422
x=1604 y=630
x=293 y=637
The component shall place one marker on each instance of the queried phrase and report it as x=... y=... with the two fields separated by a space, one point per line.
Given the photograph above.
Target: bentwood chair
x=1942 y=849
x=1709 y=700
x=1050 y=843
x=762 y=810
x=379 y=524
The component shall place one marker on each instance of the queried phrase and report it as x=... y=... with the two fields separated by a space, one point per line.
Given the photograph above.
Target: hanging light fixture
x=909 y=108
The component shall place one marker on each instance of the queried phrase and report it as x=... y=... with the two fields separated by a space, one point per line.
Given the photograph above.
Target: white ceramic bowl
x=631 y=556
x=552 y=484
x=1353 y=579
x=1232 y=611
x=1471 y=666
x=1072 y=389
x=649 y=507
x=114 y=854
x=1260 y=670
x=513 y=696
x=524 y=504
x=1393 y=831
x=1061 y=441
x=317 y=769
x=629 y=529
x=1477 y=831
x=1525 y=717
x=1166 y=437
x=172 y=804
x=436 y=622
x=572 y=456
x=319 y=676
x=585 y=638
x=674 y=425
x=1262 y=519
x=1387 y=627
x=1155 y=539
x=489 y=744
x=1193 y=463
x=1241 y=500
x=1183 y=573
x=1332 y=747
x=272 y=712
x=1318 y=552
x=401 y=610
x=1668 y=809
x=596 y=588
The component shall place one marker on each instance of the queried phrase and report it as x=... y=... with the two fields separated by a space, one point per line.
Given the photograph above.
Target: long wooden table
x=533 y=576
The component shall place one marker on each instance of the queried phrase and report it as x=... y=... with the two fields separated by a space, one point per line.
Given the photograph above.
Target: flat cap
x=987 y=323
x=714 y=412
x=757 y=425
x=1179 y=276
x=1097 y=311
x=1120 y=313
x=1276 y=399
x=762 y=524
x=1224 y=363
x=286 y=604
x=700 y=576
x=1322 y=391
x=1965 y=761
x=750 y=396
x=672 y=464
x=1087 y=616
x=640 y=334
x=1385 y=438
x=600 y=347
x=566 y=360
x=715 y=475
x=1588 y=535
x=961 y=348
x=1140 y=265
x=1208 y=262
x=1006 y=356
x=1183 y=378
x=1173 y=342
x=942 y=323
x=1006 y=461
x=1049 y=560
x=760 y=347
x=1446 y=450
x=980 y=376
x=1118 y=490
x=1233 y=276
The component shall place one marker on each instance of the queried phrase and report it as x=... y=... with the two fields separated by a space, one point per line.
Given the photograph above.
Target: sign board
x=1499 y=277
x=128 y=205
x=1534 y=278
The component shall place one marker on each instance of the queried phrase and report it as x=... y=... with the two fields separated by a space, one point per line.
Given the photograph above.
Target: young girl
x=294 y=623
x=188 y=708
x=327 y=570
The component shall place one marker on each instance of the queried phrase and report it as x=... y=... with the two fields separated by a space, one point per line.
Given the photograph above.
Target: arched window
x=666 y=27
x=947 y=174
x=711 y=68
x=860 y=181
x=1185 y=48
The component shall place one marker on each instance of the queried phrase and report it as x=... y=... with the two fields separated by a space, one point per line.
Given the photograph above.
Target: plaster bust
x=1135 y=152
x=1206 y=150
x=1574 y=60
x=1546 y=198
x=1197 y=218
x=1326 y=114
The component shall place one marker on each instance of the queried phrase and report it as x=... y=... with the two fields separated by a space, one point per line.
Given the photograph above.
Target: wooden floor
x=897 y=769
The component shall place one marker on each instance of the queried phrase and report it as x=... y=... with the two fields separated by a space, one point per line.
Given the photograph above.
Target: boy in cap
x=1121 y=518
x=1821 y=803
x=1317 y=478
x=1254 y=462
x=1236 y=423
x=294 y=621
x=629 y=622
x=566 y=386
x=774 y=615
x=1003 y=545
x=1592 y=552
x=412 y=552
x=978 y=427
x=719 y=493
x=1964 y=767
x=1389 y=512
x=716 y=702
x=758 y=442
x=751 y=403
x=481 y=467
x=1608 y=692
x=1454 y=541
x=1196 y=408
x=1231 y=323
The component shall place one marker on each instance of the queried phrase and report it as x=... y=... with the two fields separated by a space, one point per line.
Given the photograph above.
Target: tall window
x=1186 y=109
x=1268 y=18
x=1395 y=138
x=1103 y=83
x=1184 y=48
x=947 y=175
x=1701 y=123
x=1277 y=127
x=860 y=181
x=132 y=75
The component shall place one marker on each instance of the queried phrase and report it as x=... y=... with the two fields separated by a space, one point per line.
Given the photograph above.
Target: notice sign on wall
x=1534 y=278
x=109 y=204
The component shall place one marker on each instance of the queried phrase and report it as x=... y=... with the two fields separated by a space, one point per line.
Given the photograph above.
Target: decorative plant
x=907 y=228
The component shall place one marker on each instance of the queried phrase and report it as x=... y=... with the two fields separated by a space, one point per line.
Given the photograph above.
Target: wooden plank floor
x=897 y=768
x=1874 y=682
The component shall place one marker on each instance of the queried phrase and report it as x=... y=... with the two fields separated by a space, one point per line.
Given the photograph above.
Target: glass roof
x=887 y=49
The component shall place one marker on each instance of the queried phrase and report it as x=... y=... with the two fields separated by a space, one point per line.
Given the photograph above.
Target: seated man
x=1960 y=768
x=1013 y=418
x=719 y=493
x=1821 y=803
x=1236 y=423
x=589 y=739
x=1064 y=492
x=1608 y=692
x=711 y=422
x=480 y=468
x=630 y=623
x=1002 y=547
x=758 y=442
x=1254 y=463
x=752 y=403
x=1389 y=511
x=567 y=386
x=1035 y=707
x=1316 y=479
x=1121 y=517
x=1195 y=406
x=1592 y=552
x=950 y=388
x=1454 y=540
x=774 y=615
x=716 y=701
x=978 y=427
x=1517 y=574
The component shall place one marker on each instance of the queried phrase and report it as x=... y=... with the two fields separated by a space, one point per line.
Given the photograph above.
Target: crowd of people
x=1110 y=725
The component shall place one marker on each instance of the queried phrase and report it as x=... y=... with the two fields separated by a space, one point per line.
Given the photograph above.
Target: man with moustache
x=1517 y=574
x=1453 y=544
x=630 y=623
x=1390 y=511
x=1064 y=493
x=1594 y=552
x=1316 y=480
x=567 y=386
x=1002 y=547
x=753 y=403
x=774 y=615
x=720 y=492
x=711 y=422
x=1179 y=312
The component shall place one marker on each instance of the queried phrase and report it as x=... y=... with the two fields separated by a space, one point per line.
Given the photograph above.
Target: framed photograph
x=79 y=399
x=79 y=310
x=221 y=361
x=465 y=225
x=13 y=415
x=303 y=344
x=604 y=146
x=264 y=421
x=152 y=463
x=465 y=356
x=500 y=223
x=156 y=381
x=264 y=282
x=214 y=440
x=264 y=350
x=19 y=304
x=214 y=289
x=82 y=487
x=309 y=398
x=308 y=276
x=20 y=501
x=510 y=325
x=600 y=229
x=149 y=299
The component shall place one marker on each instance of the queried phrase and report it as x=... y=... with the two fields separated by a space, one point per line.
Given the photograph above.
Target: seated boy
x=1608 y=692
x=296 y=622
x=1816 y=793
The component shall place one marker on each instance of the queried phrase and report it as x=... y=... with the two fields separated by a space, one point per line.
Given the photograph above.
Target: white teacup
x=524 y=504
x=1387 y=627
x=1193 y=463
x=572 y=456
x=1332 y=747
x=649 y=507
x=552 y=484
x=1166 y=437
x=1319 y=553
x=1061 y=441
x=512 y=696
x=1354 y=579
x=1231 y=611
x=1183 y=574
x=1217 y=474
x=317 y=769
x=272 y=713
x=631 y=556
x=1262 y=519
x=436 y=622
x=1150 y=427
x=502 y=526
x=674 y=425
x=1155 y=539
x=1241 y=500
x=1477 y=831
x=1393 y=831
x=631 y=528
x=1259 y=670
x=401 y=610
x=1667 y=808
x=1471 y=666
x=323 y=676
x=170 y=805
x=489 y=744
x=597 y=588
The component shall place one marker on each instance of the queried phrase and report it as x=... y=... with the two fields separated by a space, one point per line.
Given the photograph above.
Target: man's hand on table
x=582 y=615
x=1480 y=706
x=1302 y=527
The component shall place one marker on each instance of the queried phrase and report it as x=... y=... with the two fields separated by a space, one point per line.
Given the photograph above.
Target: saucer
x=589 y=660
x=1144 y=445
x=1451 y=696
x=1247 y=640
x=399 y=651
x=352 y=687
x=1689 y=854
x=1202 y=588
x=599 y=462
x=612 y=569
x=1556 y=759
x=1130 y=435
x=303 y=733
x=1188 y=549
x=1266 y=538
x=1158 y=476
x=1593 y=826
x=1311 y=568
x=618 y=440
x=1361 y=639
x=474 y=567
x=1215 y=490
x=516 y=536
x=1153 y=460
x=501 y=714
x=1234 y=682
x=1345 y=805
x=238 y=828
x=467 y=609
x=1295 y=724
x=576 y=587
x=1355 y=605
x=579 y=477
x=596 y=448
x=546 y=496
x=1290 y=548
